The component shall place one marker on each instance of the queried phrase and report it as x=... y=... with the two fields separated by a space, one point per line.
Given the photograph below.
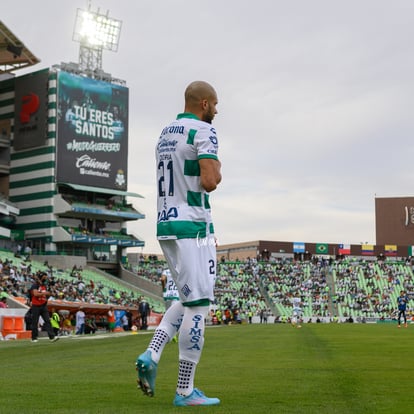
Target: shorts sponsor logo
x=186 y=290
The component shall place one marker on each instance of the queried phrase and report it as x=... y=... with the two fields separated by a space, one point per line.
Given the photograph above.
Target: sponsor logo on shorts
x=186 y=290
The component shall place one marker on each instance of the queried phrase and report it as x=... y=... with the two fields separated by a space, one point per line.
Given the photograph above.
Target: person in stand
x=250 y=315
x=67 y=327
x=111 y=319
x=80 y=321
x=124 y=322
x=402 y=301
x=188 y=169
x=55 y=322
x=39 y=297
x=3 y=302
x=90 y=325
x=144 y=311
x=129 y=318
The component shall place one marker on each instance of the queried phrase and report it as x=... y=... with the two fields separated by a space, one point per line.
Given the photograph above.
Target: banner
x=92 y=131
x=344 y=249
x=390 y=250
x=95 y=239
x=322 y=248
x=410 y=250
x=298 y=247
x=367 y=249
x=30 y=121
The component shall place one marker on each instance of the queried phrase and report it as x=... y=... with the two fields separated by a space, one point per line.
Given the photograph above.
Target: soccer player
x=188 y=169
x=296 y=313
x=169 y=292
x=402 y=301
x=169 y=288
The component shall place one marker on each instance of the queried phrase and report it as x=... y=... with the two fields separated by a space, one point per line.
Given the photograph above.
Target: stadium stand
x=90 y=288
x=356 y=288
x=328 y=289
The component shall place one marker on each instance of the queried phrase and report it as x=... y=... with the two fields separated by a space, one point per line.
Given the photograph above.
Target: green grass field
x=321 y=368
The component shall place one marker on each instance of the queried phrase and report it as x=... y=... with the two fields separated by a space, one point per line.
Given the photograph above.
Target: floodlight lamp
x=96 y=30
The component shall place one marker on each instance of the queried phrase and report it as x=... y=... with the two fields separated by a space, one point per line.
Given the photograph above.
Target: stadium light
x=95 y=32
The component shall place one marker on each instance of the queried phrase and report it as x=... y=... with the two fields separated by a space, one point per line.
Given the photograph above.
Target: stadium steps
x=330 y=280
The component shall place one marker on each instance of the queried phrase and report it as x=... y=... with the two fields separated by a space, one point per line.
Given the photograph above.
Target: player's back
x=183 y=205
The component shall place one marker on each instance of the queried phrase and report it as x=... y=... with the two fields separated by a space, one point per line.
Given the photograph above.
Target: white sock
x=191 y=342
x=186 y=374
x=169 y=326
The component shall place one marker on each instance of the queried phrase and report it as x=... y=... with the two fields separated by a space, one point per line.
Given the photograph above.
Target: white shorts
x=192 y=263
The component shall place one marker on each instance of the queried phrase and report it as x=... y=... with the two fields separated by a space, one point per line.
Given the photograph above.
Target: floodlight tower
x=95 y=32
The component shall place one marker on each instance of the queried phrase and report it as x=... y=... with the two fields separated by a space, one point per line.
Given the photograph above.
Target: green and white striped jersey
x=183 y=204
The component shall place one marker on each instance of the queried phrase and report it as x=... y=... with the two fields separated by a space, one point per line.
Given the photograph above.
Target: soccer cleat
x=197 y=397
x=35 y=340
x=147 y=372
x=56 y=338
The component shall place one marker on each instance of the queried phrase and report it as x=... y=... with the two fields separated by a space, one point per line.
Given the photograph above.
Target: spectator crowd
x=327 y=288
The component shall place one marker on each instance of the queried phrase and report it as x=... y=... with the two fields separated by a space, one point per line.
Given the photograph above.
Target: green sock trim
x=200 y=302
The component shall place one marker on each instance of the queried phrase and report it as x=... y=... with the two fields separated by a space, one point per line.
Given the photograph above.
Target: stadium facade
x=64 y=162
x=394 y=220
x=394 y=225
x=266 y=250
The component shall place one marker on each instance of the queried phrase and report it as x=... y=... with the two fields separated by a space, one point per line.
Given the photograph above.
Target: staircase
x=332 y=307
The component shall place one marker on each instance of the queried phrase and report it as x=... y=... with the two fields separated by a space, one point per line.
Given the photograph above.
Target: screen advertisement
x=92 y=132
x=30 y=122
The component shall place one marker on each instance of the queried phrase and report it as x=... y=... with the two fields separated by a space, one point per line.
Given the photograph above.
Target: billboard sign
x=81 y=238
x=31 y=100
x=92 y=132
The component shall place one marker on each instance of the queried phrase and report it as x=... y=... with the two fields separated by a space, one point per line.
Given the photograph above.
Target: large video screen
x=30 y=122
x=92 y=135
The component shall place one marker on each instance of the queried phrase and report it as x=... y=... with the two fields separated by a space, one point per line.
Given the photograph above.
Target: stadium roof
x=102 y=190
x=13 y=53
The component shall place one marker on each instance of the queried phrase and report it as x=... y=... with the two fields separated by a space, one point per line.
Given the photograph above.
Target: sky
x=315 y=103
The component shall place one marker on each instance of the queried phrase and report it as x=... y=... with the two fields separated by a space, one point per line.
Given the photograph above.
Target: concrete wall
x=61 y=262
x=153 y=290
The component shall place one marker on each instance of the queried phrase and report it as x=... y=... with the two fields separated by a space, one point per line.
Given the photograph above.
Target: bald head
x=197 y=91
x=201 y=100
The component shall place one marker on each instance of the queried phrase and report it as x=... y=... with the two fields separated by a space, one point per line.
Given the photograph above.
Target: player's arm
x=210 y=173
